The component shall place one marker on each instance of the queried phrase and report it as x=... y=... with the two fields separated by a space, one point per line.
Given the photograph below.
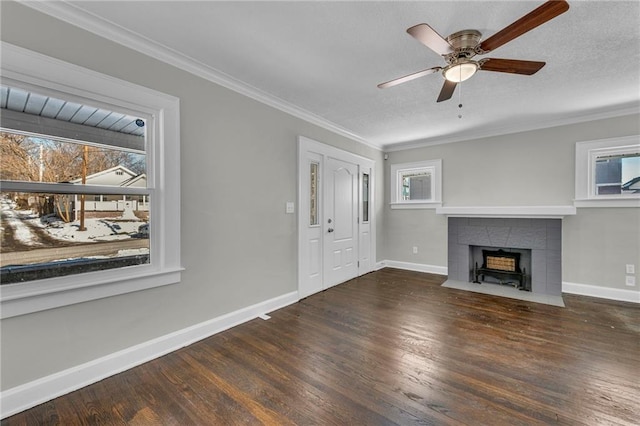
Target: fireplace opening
x=502 y=266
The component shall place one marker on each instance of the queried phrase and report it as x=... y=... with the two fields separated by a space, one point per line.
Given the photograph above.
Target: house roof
x=128 y=178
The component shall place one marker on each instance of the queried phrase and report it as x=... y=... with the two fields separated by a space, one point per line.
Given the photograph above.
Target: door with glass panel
x=310 y=227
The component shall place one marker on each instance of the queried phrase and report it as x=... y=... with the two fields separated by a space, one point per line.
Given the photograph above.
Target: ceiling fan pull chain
x=460 y=95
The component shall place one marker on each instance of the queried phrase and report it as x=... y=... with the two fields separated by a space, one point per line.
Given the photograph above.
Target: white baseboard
x=601 y=292
x=379 y=265
x=567 y=287
x=23 y=397
x=418 y=267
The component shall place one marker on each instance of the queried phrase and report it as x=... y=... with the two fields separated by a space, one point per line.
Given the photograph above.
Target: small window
x=313 y=191
x=617 y=173
x=416 y=185
x=365 y=197
x=608 y=172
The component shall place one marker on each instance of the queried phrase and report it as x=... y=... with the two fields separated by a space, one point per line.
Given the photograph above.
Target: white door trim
x=310 y=149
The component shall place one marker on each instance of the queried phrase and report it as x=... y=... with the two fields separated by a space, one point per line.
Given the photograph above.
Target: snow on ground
x=105 y=229
x=13 y=218
x=132 y=252
x=121 y=253
x=97 y=229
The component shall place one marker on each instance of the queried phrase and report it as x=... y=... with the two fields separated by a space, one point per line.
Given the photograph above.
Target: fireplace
x=538 y=242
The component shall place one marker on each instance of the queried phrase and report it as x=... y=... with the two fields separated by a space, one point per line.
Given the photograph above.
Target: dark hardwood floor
x=392 y=347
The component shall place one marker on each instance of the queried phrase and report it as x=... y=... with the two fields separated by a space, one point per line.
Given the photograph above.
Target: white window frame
x=585 y=187
x=48 y=76
x=397 y=170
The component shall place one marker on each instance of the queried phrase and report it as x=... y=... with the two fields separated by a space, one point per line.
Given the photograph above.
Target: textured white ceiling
x=324 y=59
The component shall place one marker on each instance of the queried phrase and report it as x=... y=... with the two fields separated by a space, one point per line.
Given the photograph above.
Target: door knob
x=330 y=230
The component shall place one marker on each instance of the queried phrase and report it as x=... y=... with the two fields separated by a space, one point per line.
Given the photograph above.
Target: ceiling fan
x=459 y=48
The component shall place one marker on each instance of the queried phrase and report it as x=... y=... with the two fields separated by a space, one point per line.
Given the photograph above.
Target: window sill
x=20 y=299
x=406 y=206
x=607 y=202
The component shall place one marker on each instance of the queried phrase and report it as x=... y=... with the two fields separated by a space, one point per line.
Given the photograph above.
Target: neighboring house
x=608 y=176
x=115 y=176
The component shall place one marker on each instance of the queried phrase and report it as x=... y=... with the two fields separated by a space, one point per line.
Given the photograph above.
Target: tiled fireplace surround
x=542 y=236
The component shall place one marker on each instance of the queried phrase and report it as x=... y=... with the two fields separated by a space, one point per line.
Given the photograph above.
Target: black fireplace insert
x=503 y=266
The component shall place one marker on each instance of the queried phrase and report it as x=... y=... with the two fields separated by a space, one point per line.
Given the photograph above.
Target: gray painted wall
x=238 y=248
x=528 y=168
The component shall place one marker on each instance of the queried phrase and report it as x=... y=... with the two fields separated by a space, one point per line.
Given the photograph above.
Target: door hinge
x=358 y=263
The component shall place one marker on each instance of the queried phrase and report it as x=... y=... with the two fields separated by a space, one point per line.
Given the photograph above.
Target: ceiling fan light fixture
x=460 y=71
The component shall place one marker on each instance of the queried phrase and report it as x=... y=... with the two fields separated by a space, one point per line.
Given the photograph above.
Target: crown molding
x=75 y=16
x=612 y=112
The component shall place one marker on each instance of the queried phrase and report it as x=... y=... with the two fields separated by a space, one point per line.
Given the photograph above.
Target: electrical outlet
x=415 y=250
x=631 y=269
x=631 y=280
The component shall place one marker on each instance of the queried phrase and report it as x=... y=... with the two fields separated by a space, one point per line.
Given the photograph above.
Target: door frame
x=310 y=149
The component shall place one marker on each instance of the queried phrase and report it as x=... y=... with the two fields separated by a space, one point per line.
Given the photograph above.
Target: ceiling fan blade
x=408 y=77
x=430 y=38
x=513 y=66
x=447 y=90
x=533 y=19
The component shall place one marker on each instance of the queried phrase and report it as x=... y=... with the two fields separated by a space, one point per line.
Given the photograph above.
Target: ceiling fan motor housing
x=464 y=45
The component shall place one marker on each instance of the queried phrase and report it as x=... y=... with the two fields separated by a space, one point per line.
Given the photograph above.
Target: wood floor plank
x=390 y=348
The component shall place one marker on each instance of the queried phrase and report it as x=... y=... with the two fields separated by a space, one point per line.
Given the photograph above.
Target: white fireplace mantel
x=537 y=212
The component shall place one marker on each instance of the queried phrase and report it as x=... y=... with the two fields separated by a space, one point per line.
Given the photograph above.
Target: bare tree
x=32 y=159
x=16 y=157
x=23 y=158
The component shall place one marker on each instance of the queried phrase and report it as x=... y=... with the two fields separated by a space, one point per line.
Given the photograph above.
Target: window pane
x=313 y=202
x=29 y=113
x=618 y=174
x=27 y=158
x=415 y=185
x=49 y=235
x=365 y=197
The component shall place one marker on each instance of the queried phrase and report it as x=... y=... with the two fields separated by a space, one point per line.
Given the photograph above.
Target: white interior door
x=340 y=222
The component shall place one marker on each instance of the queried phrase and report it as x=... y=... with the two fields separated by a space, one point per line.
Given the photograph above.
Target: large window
x=50 y=232
x=89 y=172
x=416 y=185
x=608 y=172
